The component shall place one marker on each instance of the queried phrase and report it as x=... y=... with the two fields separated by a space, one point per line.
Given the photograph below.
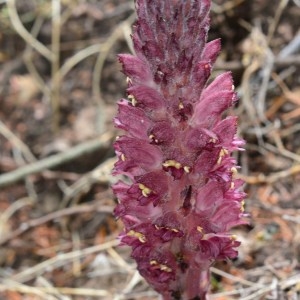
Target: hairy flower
x=180 y=199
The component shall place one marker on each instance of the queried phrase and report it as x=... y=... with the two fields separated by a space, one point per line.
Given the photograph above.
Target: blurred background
x=59 y=84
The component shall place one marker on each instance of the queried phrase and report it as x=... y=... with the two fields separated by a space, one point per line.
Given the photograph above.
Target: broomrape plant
x=180 y=197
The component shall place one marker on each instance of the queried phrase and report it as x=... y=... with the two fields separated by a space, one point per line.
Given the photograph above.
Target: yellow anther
x=222 y=153
x=152 y=137
x=186 y=169
x=167 y=228
x=137 y=235
x=243 y=206
x=145 y=190
x=232 y=185
x=212 y=140
x=180 y=106
x=200 y=229
x=128 y=80
x=233 y=237
x=132 y=100
x=234 y=171
x=165 y=268
x=161 y=266
x=123 y=157
x=177 y=165
x=169 y=163
x=172 y=163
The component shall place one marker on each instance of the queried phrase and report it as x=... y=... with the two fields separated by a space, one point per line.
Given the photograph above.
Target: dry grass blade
x=56 y=160
x=47 y=292
x=60 y=260
x=16 y=22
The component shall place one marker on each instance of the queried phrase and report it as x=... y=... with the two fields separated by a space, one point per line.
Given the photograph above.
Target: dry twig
x=47 y=292
x=103 y=52
x=272 y=178
x=84 y=208
x=55 y=45
x=60 y=260
x=21 y=30
x=56 y=160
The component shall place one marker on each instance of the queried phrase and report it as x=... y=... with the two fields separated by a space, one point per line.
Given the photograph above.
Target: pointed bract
x=133 y=120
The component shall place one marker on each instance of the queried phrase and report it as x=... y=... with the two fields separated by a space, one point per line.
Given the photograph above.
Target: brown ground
x=57 y=234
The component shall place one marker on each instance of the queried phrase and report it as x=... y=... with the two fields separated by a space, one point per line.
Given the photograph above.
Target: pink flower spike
x=179 y=196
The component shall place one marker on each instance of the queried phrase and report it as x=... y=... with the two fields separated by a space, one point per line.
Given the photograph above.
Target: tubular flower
x=180 y=197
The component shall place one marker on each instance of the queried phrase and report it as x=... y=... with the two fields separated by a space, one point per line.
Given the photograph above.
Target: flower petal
x=146 y=97
x=136 y=156
x=135 y=68
x=133 y=120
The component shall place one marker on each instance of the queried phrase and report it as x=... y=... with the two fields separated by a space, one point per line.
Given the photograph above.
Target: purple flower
x=180 y=199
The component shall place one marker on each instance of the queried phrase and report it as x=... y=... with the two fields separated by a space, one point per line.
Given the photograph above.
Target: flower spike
x=181 y=197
